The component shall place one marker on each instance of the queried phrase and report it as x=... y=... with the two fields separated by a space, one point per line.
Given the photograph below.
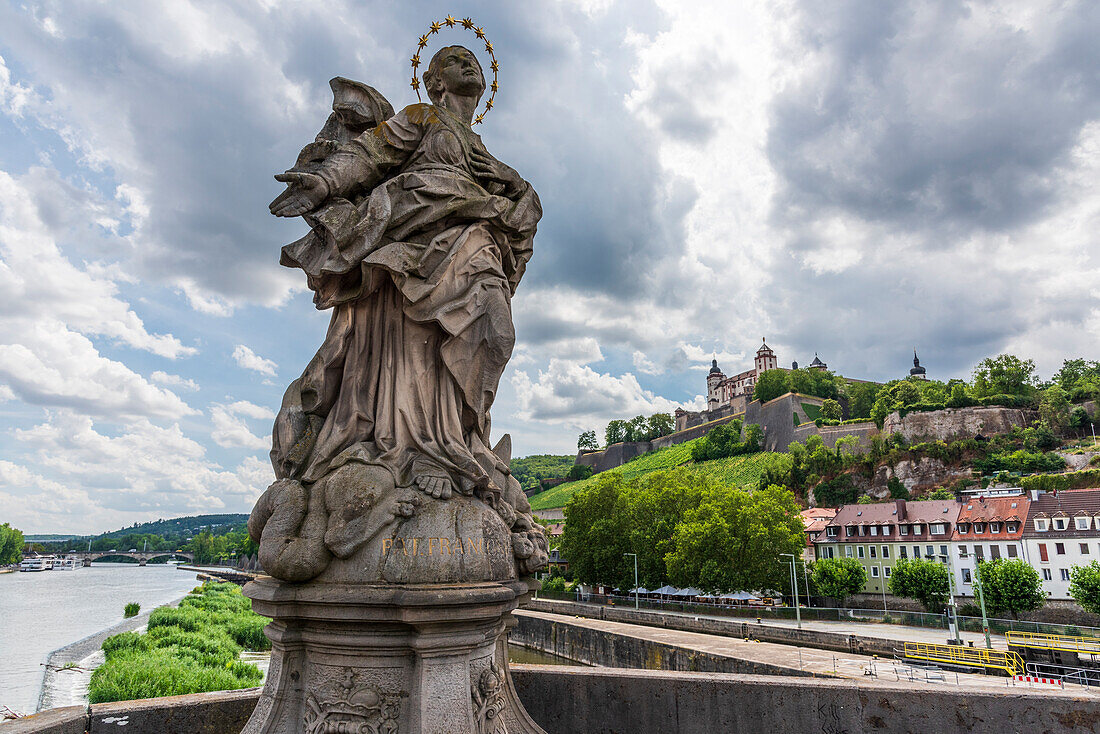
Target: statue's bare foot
x=434 y=485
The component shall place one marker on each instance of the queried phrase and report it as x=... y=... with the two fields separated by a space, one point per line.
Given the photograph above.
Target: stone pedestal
x=388 y=659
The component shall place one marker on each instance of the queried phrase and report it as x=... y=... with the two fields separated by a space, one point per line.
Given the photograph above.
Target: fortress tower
x=765 y=358
x=714 y=382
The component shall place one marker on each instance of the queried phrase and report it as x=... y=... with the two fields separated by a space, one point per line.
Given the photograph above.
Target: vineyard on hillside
x=741 y=471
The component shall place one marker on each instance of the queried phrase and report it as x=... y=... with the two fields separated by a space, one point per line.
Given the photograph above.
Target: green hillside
x=736 y=470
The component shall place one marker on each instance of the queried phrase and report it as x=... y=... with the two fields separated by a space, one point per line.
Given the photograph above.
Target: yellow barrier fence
x=1065 y=643
x=974 y=657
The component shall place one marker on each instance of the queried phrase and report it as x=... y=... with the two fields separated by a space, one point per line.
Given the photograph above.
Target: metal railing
x=973 y=657
x=926 y=620
x=1062 y=643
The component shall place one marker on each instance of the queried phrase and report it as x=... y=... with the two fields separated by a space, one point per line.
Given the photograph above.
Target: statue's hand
x=488 y=168
x=304 y=193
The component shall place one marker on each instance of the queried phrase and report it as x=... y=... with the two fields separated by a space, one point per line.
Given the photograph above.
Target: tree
x=1084 y=586
x=731 y=539
x=636 y=429
x=770 y=384
x=861 y=397
x=587 y=441
x=1004 y=374
x=11 y=545
x=830 y=409
x=838 y=578
x=941 y=493
x=897 y=489
x=1054 y=407
x=959 y=398
x=1079 y=418
x=921 y=579
x=578 y=472
x=1011 y=586
x=615 y=433
x=660 y=424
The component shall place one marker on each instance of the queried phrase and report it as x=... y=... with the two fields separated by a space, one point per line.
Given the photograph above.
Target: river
x=40 y=612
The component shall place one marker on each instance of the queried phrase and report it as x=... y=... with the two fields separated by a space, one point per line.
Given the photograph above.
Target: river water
x=40 y=612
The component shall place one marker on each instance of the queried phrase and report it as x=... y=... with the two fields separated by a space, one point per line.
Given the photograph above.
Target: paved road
x=822 y=662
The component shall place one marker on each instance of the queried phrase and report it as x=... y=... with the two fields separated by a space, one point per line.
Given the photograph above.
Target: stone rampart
x=956 y=423
x=567 y=700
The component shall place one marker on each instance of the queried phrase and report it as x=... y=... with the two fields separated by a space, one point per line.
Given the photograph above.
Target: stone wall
x=565 y=700
x=955 y=423
x=559 y=637
x=618 y=454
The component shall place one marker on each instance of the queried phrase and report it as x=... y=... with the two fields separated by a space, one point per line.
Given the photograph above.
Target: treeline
x=530 y=471
x=686 y=529
x=725 y=440
x=11 y=545
x=638 y=428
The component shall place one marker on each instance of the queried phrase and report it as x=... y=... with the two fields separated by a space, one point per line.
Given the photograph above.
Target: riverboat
x=35 y=564
x=67 y=564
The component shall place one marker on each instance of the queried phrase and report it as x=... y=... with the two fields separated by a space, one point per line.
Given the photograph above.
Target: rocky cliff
x=955 y=423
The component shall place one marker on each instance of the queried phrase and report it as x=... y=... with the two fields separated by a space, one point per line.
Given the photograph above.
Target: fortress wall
x=956 y=423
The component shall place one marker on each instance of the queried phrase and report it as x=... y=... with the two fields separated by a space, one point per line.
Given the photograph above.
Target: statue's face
x=460 y=73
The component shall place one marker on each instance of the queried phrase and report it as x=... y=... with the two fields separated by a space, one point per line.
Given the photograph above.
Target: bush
x=836 y=492
x=554 y=585
x=579 y=472
x=131 y=610
x=897 y=489
x=1061 y=482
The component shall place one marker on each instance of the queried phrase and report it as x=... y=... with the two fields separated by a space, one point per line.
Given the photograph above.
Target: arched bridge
x=141 y=557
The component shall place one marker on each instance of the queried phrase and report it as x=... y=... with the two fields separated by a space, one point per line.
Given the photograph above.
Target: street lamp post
x=794 y=584
x=635 y=577
x=952 y=612
x=882 y=580
x=981 y=603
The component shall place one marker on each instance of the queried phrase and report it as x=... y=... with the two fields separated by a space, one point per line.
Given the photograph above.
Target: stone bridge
x=142 y=557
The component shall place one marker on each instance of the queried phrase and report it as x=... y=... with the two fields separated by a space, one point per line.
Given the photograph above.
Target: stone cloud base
x=419 y=659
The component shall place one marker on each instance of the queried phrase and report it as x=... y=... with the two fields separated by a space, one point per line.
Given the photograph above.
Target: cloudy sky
x=853 y=178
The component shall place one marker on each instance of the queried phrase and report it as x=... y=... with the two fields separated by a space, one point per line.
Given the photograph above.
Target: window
x=886 y=571
x=979 y=552
x=962 y=551
x=1060 y=548
x=1059 y=523
x=850 y=531
x=874 y=551
x=1081 y=523
x=943 y=550
x=847 y=551
x=903 y=529
x=1011 y=551
x=885 y=551
x=874 y=572
x=979 y=527
x=962 y=526
x=929 y=551
x=830 y=532
x=1012 y=527
x=966 y=576
x=1046 y=574
x=1084 y=549
x=916 y=551
x=1043 y=552
x=994 y=527
x=902 y=553
x=874 y=530
x=886 y=529
x=994 y=552
x=1041 y=524
x=1065 y=574
x=938 y=528
x=859 y=551
x=862 y=529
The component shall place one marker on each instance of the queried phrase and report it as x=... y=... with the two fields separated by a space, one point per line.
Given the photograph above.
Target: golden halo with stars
x=468 y=24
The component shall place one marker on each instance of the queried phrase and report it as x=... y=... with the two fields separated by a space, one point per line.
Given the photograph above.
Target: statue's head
x=454 y=69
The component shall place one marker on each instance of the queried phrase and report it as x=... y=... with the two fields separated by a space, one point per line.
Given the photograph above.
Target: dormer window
x=903 y=529
x=850 y=530
x=1013 y=527
x=979 y=527
x=1041 y=524
x=994 y=527
x=830 y=532
x=963 y=527
x=937 y=528
x=885 y=529
x=1059 y=523
x=1081 y=523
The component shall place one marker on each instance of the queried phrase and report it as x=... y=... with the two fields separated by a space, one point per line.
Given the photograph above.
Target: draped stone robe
x=418 y=261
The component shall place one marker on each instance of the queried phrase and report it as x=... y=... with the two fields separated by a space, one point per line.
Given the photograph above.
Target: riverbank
x=69 y=668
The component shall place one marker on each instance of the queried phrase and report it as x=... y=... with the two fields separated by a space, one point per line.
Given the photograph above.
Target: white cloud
x=164 y=378
x=249 y=360
x=232 y=431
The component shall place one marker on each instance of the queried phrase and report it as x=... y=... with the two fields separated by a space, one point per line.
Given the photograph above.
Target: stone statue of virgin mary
x=418 y=240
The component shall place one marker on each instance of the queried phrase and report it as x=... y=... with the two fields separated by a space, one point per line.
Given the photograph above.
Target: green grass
x=742 y=471
x=812 y=411
x=131 y=610
x=194 y=648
